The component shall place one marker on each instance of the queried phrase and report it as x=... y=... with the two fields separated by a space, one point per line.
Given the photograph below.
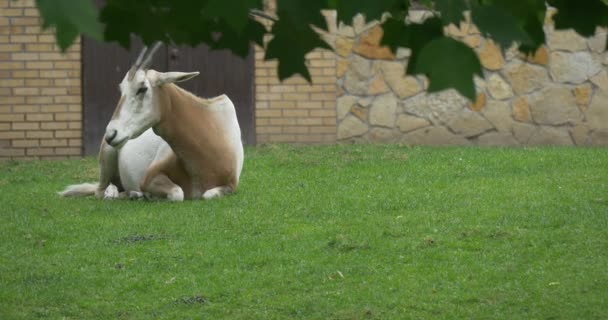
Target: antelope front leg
x=159 y=185
x=108 y=172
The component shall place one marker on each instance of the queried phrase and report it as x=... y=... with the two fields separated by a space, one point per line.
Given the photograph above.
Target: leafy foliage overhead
x=230 y=24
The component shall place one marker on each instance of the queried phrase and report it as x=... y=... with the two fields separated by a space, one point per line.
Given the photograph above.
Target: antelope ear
x=171 y=77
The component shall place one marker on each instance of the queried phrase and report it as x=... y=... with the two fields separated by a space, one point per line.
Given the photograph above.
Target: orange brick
x=47 y=38
x=310 y=121
x=25 y=125
x=262 y=122
x=310 y=104
x=282 y=104
x=67 y=82
x=12 y=100
x=39 y=100
x=40 y=151
x=67 y=99
x=38 y=65
x=8 y=65
x=11 y=152
x=324 y=80
x=296 y=130
x=54 y=108
x=11 y=117
x=282 y=121
x=39 y=117
x=53 y=142
x=323 y=113
x=268 y=96
x=26 y=91
x=323 y=96
x=52 y=56
x=53 y=73
x=11 y=82
x=295 y=113
x=25 y=143
x=22 y=38
x=68 y=134
x=26 y=74
x=282 y=88
x=68 y=116
x=24 y=21
x=39 y=134
x=309 y=138
x=22 y=56
x=31 y=13
x=15 y=12
x=67 y=65
x=38 y=82
x=54 y=91
x=282 y=138
x=54 y=125
x=26 y=108
x=323 y=129
x=32 y=30
x=305 y=88
x=75 y=91
x=268 y=113
x=39 y=47
x=75 y=125
x=68 y=151
x=10 y=47
x=75 y=143
x=322 y=63
x=264 y=129
x=296 y=96
x=329 y=121
x=12 y=135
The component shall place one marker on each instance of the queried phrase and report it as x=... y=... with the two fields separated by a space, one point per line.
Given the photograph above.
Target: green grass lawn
x=336 y=232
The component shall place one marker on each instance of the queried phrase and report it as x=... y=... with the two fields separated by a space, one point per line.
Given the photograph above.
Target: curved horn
x=137 y=63
x=150 y=55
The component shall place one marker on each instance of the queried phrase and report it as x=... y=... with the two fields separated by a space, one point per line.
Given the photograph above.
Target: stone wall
x=40 y=93
x=558 y=96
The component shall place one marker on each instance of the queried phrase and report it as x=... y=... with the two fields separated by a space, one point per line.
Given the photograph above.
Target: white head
x=138 y=108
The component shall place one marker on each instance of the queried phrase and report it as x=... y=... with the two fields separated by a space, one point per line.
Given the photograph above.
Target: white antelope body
x=165 y=142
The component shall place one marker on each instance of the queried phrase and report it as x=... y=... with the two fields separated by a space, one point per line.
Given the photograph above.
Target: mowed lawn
x=333 y=232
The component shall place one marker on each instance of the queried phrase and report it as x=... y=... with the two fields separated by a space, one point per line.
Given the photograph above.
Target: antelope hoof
x=135 y=195
x=177 y=194
x=111 y=193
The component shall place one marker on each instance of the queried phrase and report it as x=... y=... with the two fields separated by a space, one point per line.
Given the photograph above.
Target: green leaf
x=500 y=25
x=239 y=43
x=449 y=63
x=371 y=9
x=235 y=13
x=302 y=13
x=70 y=18
x=451 y=10
x=290 y=45
x=413 y=36
x=583 y=15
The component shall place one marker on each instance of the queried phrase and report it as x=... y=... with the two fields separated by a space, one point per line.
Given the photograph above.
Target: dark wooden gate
x=104 y=66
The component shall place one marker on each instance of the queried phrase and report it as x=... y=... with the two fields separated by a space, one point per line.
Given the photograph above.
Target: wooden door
x=104 y=66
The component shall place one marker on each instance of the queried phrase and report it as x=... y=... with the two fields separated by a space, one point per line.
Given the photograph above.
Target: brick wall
x=295 y=111
x=40 y=92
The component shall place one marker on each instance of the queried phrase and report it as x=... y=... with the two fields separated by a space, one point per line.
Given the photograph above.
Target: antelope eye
x=141 y=90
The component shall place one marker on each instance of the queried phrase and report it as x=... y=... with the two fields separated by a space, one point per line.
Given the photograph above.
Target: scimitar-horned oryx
x=165 y=142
